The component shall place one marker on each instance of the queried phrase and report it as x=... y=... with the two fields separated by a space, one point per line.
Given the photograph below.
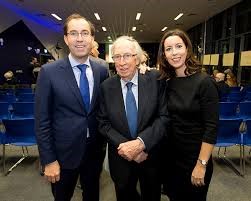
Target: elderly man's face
x=125 y=59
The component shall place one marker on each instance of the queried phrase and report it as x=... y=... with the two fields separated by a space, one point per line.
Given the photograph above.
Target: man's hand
x=129 y=150
x=142 y=156
x=52 y=172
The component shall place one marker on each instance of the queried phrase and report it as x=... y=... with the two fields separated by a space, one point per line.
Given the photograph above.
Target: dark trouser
x=89 y=171
x=126 y=182
x=180 y=188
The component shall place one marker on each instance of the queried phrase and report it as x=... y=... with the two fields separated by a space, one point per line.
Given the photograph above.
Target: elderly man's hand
x=142 y=156
x=129 y=150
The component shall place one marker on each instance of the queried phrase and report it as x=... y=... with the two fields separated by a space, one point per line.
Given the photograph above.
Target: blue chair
x=23 y=90
x=25 y=97
x=235 y=96
x=4 y=110
x=10 y=98
x=247 y=96
x=23 y=110
x=245 y=110
x=235 y=89
x=228 y=110
x=19 y=132
x=229 y=135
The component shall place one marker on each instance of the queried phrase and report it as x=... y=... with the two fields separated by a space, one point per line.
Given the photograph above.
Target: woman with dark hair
x=193 y=109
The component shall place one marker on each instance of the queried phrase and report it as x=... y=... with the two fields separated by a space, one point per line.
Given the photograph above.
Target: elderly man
x=133 y=118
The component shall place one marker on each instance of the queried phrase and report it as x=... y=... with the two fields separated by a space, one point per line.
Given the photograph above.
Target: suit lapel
x=142 y=97
x=96 y=78
x=119 y=102
x=71 y=81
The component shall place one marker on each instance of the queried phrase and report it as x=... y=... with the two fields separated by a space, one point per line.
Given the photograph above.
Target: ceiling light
x=110 y=40
x=56 y=16
x=178 y=16
x=104 y=29
x=134 y=29
x=164 y=28
x=97 y=16
x=138 y=16
x=109 y=37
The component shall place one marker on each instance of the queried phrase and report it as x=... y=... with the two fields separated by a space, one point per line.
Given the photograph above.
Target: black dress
x=193 y=110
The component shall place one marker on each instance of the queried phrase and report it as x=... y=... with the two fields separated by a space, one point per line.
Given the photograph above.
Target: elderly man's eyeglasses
x=126 y=57
x=75 y=34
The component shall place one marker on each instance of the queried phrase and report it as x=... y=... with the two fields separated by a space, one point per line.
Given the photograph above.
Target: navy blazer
x=60 y=117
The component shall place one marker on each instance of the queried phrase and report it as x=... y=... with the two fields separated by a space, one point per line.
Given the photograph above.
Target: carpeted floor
x=24 y=183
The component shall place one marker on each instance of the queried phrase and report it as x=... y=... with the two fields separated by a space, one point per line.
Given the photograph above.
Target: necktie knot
x=82 y=67
x=129 y=86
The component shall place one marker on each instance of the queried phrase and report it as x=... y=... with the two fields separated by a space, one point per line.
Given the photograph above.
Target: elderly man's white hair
x=136 y=45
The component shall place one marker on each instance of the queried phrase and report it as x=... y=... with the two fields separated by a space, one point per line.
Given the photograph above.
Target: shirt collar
x=75 y=63
x=134 y=80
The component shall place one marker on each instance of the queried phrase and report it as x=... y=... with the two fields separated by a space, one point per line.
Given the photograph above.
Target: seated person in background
x=214 y=73
x=35 y=71
x=94 y=51
x=142 y=66
x=222 y=86
x=10 y=79
x=231 y=80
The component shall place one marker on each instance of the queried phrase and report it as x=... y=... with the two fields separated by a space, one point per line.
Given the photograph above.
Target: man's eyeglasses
x=126 y=57
x=75 y=34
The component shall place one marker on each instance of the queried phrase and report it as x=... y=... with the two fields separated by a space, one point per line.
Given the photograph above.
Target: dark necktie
x=131 y=110
x=84 y=86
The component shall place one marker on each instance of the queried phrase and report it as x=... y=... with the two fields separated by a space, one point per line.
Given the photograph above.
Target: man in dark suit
x=67 y=99
x=133 y=117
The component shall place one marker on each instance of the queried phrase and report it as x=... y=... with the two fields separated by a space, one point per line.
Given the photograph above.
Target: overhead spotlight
x=1 y=41
x=104 y=29
x=45 y=51
x=29 y=48
x=164 y=28
x=134 y=29
x=37 y=50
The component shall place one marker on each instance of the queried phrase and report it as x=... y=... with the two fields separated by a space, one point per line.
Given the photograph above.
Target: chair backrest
x=19 y=130
x=23 y=109
x=228 y=110
x=25 y=97
x=228 y=132
x=235 y=89
x=10 y=98
x=248 y=96
x=245 y=110
x=235 y=96
x=23 y=90
x=4 y=110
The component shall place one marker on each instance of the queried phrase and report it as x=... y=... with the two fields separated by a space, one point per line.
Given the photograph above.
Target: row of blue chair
x=16 y=110
x=231 y=110
x=235 y=96
x=22 y=97
x=234 y=131
x=18 y=132
x=16 y=90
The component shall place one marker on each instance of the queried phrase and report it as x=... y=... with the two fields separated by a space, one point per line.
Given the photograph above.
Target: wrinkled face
x=124 y=56
x=175 y=52
x=79 y=39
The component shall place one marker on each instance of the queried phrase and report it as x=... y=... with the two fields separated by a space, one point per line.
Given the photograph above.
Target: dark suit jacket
x=60 y=116
x=152 y=111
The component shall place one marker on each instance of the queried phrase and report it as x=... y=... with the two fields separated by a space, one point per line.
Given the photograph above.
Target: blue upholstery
x=25 y=97
x=235 y=96
x=23 y=110
x=228 y=110
x=23 y=90
x=245 y=110
x=4 y=110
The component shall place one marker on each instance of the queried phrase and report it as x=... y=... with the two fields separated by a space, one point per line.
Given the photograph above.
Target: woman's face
x=176 y=52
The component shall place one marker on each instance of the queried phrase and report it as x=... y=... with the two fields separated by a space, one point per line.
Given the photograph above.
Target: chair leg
x=3 y=158
x=18 y=162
